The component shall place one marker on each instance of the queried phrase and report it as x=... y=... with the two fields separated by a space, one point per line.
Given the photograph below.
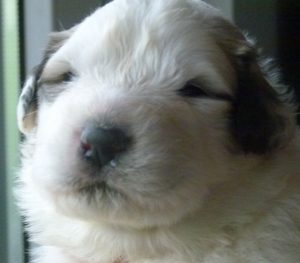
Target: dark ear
x=28 y=101
x=261 y=118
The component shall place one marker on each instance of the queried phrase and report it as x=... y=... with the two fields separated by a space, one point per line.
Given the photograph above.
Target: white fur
x=180 y=194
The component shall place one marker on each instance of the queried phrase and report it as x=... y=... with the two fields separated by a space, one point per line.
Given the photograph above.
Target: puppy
x=154 y=134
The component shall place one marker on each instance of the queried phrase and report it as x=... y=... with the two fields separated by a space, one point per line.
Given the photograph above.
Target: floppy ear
x=261 y=117
x=28 y=100
x=27 y=106
x=261 y=120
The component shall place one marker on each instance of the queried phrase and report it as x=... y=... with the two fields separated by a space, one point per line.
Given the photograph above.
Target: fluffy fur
x=210 y=177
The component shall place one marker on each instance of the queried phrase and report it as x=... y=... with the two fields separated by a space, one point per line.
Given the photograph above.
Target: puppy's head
x=143 y=107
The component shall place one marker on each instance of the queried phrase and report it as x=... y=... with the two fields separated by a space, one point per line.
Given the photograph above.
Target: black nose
x=102 y=145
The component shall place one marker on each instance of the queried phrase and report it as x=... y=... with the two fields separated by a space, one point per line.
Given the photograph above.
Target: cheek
x=57 y=161
x=57 y=145
x=196 y=139
x=169 y=143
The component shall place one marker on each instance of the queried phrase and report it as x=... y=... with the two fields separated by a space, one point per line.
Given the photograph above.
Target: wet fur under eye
x=50 y=92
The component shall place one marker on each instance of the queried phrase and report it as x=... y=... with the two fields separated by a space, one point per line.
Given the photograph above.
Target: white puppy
x=152 y=134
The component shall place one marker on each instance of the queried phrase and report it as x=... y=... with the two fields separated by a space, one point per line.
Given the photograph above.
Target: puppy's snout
x=100 y=145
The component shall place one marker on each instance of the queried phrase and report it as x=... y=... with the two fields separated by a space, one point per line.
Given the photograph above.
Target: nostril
x=86 y=146
x=102 y=145
x=86 y=150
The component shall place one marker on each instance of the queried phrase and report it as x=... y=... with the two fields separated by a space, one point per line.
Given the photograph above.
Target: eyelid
x=62 y=78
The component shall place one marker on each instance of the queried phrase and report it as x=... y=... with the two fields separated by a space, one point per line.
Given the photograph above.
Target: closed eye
x=50 y=88
x=192 y=90
x=65 y=77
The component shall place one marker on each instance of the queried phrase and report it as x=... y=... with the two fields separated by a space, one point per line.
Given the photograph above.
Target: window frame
x=12 y=238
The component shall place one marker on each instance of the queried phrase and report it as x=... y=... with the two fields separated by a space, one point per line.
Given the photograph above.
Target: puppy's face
x=142 y=107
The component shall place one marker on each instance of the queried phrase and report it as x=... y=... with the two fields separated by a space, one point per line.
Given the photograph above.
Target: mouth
x=98 y=190
x=93 y=181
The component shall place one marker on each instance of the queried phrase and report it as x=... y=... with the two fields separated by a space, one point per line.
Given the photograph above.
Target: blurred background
x=24 y=29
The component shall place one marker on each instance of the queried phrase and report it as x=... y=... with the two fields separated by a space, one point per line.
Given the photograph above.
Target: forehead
x=135 y=36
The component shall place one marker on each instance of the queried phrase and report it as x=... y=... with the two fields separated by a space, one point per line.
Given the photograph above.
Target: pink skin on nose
x=86 y=147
